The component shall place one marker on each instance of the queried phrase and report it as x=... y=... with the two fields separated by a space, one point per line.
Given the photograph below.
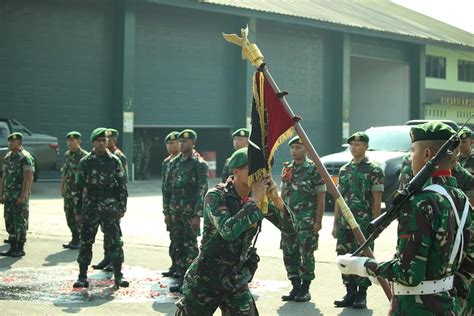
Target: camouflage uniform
x=356 y=184
x=426 y=227
x=70 y=170
x=101 y=194
x=164 y=176
x=300 y=185
x=16 y=216
x=219 y=276
x=406 y=172
x=467 y=162
x=226 y=172
x=123 y=159
x=184 y=190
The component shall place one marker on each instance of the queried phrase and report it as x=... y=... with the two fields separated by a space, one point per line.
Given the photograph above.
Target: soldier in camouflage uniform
x=361 y=186
x=431 y=272
x=304 y=191
x=138 y=153
x=101 y=200
x=184 y=190
x=406 y=173
x=69 y=172
x=106 y=263
x=15 y=190
x=466 y=155
x=240 y=139
x=172 y=146
x=219 y=276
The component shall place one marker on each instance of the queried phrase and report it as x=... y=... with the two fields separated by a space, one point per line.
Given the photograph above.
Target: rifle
x=376 y=226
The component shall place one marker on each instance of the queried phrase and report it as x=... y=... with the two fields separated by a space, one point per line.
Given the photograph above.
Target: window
x=436 y=67
x=465 y=70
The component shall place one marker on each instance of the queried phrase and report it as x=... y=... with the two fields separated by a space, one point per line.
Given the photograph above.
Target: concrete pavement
x=41 y=282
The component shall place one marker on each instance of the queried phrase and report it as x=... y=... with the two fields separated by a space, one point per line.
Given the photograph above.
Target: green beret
x=188 y=134
x=242 y=132
x=172 y=136
x=14 y=136
x=99 y=132
x=434 y=130
x=295 y=140
x=113 y=132
x=359 y=136
x=238 y=158
x=465 y=133
x=73 y=134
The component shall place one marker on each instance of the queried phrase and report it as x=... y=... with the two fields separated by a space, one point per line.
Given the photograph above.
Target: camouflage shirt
x=357 y=181
x=230 y=225
x=467 y=162
x=123 y=159
x=101 y=184
x=70 y=170
x=426 y=232
x=185 y=186
x=164 y=171
x=13 y=166
x=464 y=180
x=300 y=185
x=406 y=172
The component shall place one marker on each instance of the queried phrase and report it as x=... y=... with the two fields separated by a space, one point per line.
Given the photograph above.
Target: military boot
x=118 y=276
x=360 y=300
x=171 y=271
x=177 y=286
x=82 y=279
x=9 y=251
x=6 y=241
x=101 y=264
x=303 y=294
x=18 y=251
x=296 y=283
x=348 y=299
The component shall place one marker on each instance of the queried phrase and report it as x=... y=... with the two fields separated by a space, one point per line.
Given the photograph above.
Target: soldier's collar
x=365 y=160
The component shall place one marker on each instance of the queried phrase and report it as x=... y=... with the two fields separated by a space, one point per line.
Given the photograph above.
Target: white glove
x=352 y=265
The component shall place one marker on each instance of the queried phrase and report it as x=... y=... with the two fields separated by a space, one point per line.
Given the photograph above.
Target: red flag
x=271 y=126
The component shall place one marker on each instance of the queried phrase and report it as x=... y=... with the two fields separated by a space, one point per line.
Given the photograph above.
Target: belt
x=425 y=287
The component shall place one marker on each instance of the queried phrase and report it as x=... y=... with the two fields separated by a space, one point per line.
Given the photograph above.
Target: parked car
x=44 y=148
x=387 y=146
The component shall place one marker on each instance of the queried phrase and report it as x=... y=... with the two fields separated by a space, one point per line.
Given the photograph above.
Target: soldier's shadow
x=294 y=308
x=7 y=262
x=66 y=255
x=350 y=312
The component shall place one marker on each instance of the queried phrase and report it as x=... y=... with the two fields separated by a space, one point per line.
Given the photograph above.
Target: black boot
x=303 y=295
x=118 y=276
x=82 y=279
x=360 y=300
x=348 y=299
x=296 y=283
x=6 y=241
x=9 y=251
x=75 y=243
x=177 y=287
x=101 y=264
x=171 y=271
x=18 y=251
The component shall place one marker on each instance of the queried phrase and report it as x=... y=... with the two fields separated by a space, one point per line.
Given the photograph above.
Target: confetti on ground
x=54 y=285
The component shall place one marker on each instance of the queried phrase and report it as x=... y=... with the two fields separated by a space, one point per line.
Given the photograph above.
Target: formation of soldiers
x=431 y=271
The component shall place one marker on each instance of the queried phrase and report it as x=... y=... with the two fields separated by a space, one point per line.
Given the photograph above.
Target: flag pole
x=253 y=54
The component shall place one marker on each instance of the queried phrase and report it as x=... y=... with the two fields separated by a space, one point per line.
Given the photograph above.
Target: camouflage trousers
x=71 y=217
x=183 y=243
x=199 y=302
x=172 y=249
x=113 y=244
x=346 y=243
x=16 y=220
x=298 y=253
